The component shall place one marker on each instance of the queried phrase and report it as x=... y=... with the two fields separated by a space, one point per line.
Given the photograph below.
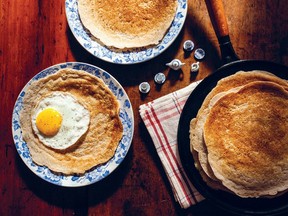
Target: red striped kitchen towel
x=161 y=118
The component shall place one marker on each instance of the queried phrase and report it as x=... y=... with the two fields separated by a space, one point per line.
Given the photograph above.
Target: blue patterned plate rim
x=99 y=172
x=125 y=57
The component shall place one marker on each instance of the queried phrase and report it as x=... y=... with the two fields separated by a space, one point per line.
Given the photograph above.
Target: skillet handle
x=218 y=17
x=219 y=22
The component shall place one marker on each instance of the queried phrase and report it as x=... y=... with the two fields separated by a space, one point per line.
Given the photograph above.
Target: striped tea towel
x=161 y=118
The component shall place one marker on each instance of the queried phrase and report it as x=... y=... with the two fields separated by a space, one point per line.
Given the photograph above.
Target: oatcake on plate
x=127 y=24
x=105 y=130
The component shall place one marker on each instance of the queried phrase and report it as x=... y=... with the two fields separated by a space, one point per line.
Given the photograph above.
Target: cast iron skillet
x=232 y=64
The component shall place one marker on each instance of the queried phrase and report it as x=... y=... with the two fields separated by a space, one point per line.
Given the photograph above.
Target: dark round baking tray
x=224 y=200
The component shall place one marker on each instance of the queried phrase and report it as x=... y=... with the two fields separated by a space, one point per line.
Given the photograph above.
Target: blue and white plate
x=99 y=172
x=126 y=57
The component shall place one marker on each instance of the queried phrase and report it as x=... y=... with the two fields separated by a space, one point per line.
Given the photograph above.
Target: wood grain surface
x=35 y=35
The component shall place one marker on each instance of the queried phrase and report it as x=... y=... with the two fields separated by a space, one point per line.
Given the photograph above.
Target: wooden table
x=35 y=35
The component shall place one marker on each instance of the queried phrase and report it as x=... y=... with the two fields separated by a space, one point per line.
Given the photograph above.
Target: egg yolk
x=49 y=121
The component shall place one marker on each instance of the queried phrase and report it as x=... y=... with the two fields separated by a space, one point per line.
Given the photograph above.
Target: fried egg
x=59 y=120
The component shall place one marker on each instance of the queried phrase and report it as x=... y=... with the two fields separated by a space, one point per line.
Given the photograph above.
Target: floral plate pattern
x=99 y=172
x=123 y=57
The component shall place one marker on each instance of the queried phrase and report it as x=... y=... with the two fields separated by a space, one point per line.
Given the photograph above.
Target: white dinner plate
x=86 y=40
x=99 y=172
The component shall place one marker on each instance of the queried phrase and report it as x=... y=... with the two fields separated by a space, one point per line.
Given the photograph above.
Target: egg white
x=75 y=120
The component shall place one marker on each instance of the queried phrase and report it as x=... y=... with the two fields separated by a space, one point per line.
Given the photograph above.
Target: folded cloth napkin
x=161 y=118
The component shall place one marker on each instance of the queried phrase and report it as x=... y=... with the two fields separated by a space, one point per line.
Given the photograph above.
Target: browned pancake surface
x=239 y=79
x=246 y=138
